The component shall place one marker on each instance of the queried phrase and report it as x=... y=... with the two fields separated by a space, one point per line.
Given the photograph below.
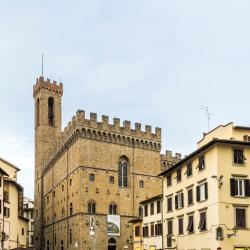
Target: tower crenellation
x=42 y=84
x=79 y=120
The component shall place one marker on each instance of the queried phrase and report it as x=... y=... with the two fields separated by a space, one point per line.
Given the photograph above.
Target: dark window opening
x=51 y=111
x=239 y=157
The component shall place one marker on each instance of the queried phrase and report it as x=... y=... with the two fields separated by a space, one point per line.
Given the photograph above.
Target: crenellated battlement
x=113 y=132
x=169 y=159
x=41 y=83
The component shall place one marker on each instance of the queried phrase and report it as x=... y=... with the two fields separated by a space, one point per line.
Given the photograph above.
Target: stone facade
x=80 y=166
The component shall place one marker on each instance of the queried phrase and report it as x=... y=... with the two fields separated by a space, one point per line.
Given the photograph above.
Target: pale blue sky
x=157 y=62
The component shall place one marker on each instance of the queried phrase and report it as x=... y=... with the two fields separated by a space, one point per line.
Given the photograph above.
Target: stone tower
x=47 y=97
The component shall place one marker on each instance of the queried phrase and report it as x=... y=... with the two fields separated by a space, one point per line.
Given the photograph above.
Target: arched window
x=91 y=207
x=112 y=208
x=111 y=242
x=37 y=112
x=51 y=111
x=71 y=209
x=123 y=171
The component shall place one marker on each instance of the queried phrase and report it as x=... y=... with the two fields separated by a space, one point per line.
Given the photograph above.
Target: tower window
x=37 y=112
x=51 y=111
x=123 y=172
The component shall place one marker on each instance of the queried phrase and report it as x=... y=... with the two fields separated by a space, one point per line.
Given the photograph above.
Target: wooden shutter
x=198 y=197
x=190 y=196
x=170 y=204
x=240 y=217
x=176 y=201
x=247 y=188
x=232 y=187
x=206 y=191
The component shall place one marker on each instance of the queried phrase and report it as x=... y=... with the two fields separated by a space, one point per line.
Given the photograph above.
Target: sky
x=157 y=62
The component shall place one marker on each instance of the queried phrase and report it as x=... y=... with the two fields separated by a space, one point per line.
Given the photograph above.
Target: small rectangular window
x=145 y=231
x=239 y=157
x=190 y=227
x=170 y=227
x=169 y=180
x=240 y=217
x=145 y=210
x=190 y=196
x=158 y=229
x=240 y=187
x=179 y=201
x=152 y=229
x=202 y=225
x=152 y=208
x=201 y=164
x=202 y=192
x=111 y=179
x=180 y=222
x=158 y=207
x=178 y=175
x=137 y=231
x=189 y=169
x=169 y=204
x=92 y=177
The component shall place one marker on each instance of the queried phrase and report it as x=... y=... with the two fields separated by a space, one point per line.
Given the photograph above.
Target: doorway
x=112 y=244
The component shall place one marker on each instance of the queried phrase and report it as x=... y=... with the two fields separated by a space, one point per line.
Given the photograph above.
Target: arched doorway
x=112 y=244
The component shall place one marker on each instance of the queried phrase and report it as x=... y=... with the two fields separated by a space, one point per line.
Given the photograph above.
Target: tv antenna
x=208 y=117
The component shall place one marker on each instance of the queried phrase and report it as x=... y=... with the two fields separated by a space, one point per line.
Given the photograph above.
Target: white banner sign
x=113 y=222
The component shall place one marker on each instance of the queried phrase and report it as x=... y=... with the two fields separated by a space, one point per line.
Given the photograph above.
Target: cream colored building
x=207 y=194
x=151 y=210
x=147 y=229
x=28 y=209
x=14 y=224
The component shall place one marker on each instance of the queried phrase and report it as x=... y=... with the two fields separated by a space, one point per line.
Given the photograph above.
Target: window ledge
x=189 y=205
x=242 y=228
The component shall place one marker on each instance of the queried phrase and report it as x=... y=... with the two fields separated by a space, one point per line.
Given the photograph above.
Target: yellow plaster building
x=14 y=224
x=207 y=194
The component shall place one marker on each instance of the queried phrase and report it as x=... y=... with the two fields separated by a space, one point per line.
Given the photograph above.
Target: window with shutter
x=180 y=222
x=152 y=229
x=202 y=224
x=239 y=187
x=197 y=193
x=240 y=217
x=158 y=205
x=178 y=175
x=202 y=192
x=151 y=208
x=169 y=203
x=169 y=180
x=190 y=227
x=170 y=227
x=201 y=164
x=239 y=157
x=169 y=241
x=179 y=201
x=247 y=188
x=137 y=231
x=189 y=169
x=190 y=196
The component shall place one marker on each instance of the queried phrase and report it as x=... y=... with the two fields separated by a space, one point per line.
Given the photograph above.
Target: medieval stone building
x=90 y=177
